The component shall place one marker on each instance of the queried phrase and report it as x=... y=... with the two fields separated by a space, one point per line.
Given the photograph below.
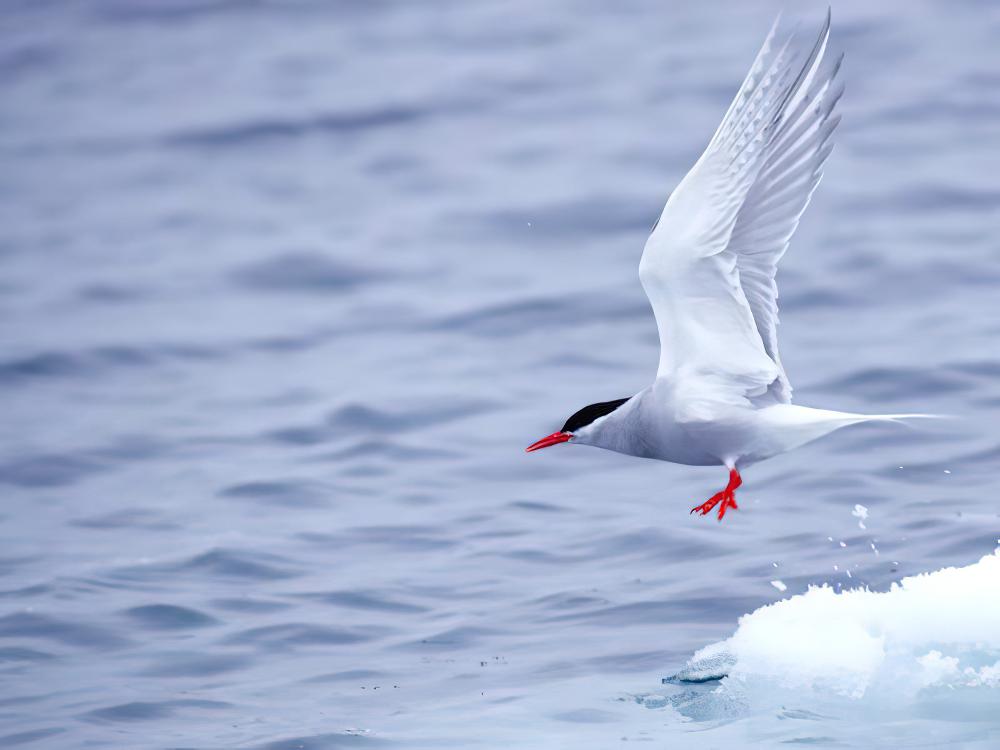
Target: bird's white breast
x=647 y=426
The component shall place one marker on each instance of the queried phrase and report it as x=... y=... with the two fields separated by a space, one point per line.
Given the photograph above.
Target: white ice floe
x=931 y=636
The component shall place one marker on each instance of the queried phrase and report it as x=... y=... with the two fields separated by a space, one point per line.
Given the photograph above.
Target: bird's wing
x=708 y=267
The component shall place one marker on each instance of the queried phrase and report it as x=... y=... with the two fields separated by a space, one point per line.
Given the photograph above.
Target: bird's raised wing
x=708 y=267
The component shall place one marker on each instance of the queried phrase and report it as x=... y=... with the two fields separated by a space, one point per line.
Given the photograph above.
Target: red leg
x=727 y=497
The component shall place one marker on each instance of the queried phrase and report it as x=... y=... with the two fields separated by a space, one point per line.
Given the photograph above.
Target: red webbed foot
x=725 y=499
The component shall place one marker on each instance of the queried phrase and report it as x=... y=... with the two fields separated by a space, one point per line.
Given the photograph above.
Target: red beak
x=554 y=439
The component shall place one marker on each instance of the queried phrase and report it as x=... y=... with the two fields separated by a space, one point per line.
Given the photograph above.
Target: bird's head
x=578 y=425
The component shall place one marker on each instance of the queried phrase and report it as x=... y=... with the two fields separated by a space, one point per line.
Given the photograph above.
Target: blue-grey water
x=286 y=288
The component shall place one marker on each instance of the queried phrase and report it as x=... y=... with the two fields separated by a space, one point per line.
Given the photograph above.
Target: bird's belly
x=685 y=453
x=666 y=441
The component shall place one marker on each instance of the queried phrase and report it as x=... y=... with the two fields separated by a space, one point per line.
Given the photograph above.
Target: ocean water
x=286 y=288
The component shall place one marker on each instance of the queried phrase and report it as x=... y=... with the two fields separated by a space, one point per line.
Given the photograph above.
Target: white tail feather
x=788 y=426
x=898 y=418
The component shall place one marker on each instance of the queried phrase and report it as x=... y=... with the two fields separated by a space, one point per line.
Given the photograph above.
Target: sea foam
x=932 y=639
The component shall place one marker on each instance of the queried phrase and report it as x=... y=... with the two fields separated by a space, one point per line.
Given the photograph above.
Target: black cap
x=588 y=414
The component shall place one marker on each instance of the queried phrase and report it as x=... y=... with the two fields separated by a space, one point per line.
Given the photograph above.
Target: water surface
x=285 y=289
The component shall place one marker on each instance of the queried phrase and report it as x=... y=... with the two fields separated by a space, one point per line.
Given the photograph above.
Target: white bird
x=721 y=395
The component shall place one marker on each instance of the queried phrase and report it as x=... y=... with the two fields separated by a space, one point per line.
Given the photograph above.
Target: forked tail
x=894 y=417
x=788 y=426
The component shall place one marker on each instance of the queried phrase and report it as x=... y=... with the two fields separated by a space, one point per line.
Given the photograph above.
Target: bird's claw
x=706 y=507
x=729 y=501
x=725 y=499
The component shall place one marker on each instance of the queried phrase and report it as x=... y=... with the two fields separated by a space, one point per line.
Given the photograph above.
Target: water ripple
x=65 y=632
x=289 y=493
x=297 y=272
x=48 y=470
x=243 y=134
x=216 y=563
x=298 y=634
x=143 y=711
x=169 y=617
